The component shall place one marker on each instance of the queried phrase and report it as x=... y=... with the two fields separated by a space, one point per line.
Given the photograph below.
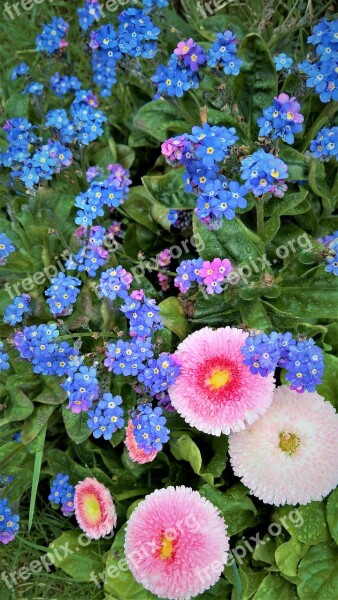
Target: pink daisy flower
x=94 y=508
x=289 y=455
x=215 y=392
x=176 y=543
x=135 y=453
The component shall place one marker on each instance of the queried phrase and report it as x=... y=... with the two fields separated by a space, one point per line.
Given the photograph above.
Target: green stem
x=94 y=334
x=260 y=217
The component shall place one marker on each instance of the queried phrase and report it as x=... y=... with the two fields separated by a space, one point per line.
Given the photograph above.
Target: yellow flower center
x=92 y=508
x=288 y=442
x=167 y=548
x=218 y=379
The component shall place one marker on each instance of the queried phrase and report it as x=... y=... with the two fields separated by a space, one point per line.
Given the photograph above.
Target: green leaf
x=332 y=514
x=254 y=314
x=19 y=407
x=307 y=523
x=298 y=164
x=274 y=587
x=256 y=84
x=184 y=448
x=318 y=573
x=288 y=556
x=119 y=582
x=168 y=190
x=76 y=557
x=35 y=483
x=329 y=387
x=234 y=504
x=125 y=155
x=233 y=240
x=286 y=206
x=36 y=423
x=159 y=119
x=12 y=454
x=76 y=425
x=173 y=316
x=17 y=105
x=138 y=206
x=318 y=183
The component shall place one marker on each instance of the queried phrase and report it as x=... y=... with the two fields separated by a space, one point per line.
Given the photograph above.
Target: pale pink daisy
x=94 y=508
x=215 y=392
x=135 y=453
x=176 y=543
x=289 y=456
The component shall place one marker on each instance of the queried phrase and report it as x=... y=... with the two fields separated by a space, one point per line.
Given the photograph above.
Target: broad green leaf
x=245 y=582
x=236 y=507
x=332 y=514
x=77 y=556
x=37 y=421
x=318 y=573
x=254 y=314
x=274 y=587
x=298 y=164
x=285 y=206
x=288 y=556
x=265 y=551
x=168 y=190
x=19 y=407
x=125 y=155
x=306 y=523
x=119 y=582
x=173 y=316
x=256 y=84
x=159 y=118
x=138 y=206
x=318 y=183
x=12 y=454
x=184 y=448
x=76 y=425
x=329 y=387
x=17 y=106
x=233 y=240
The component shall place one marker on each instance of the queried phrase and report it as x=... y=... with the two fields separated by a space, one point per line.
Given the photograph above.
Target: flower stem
x=260 y=217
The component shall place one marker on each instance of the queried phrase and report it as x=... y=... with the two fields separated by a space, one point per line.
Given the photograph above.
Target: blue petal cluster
x=107 y=417
x=15 y=311
x=322 y=74
x=150 y=428
x=62 y=492
x=281 y=119
x=6 y=248
x=325 y=144
x=82 y=388
x=114 y=283
x=302 y=359
x=223 y=53
x=62 y=294
x=4 y=364
x=282 y=61
x=21 y=69
x=9 y=522
x=53 y=35
x=263 y=173
x=143 y=314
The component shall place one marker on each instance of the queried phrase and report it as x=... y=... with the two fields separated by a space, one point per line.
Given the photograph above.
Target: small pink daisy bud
x=94 y=508
x=176 y=543
x=136 y=454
